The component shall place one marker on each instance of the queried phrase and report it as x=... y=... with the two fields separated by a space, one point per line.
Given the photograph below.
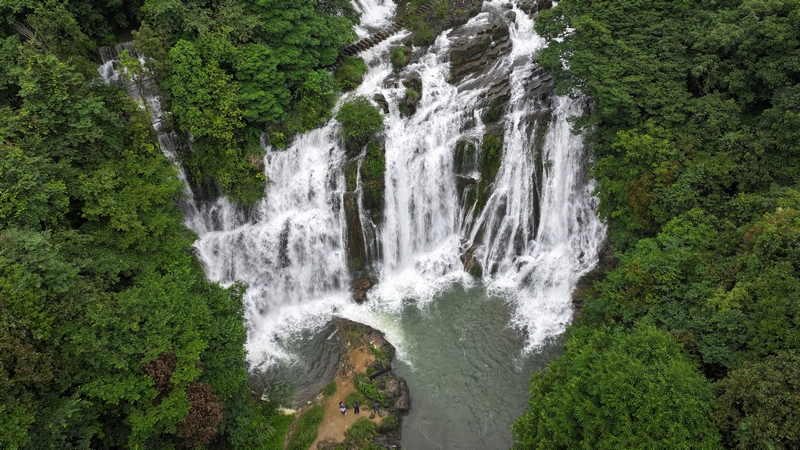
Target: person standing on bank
x=376 y=406
x=342 y=408
x=355 y=407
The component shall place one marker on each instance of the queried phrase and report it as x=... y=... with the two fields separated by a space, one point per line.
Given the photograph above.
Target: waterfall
x=539 y=264
x=141 y=87
x=375 y=15
x=291 y=255
x=535 y=237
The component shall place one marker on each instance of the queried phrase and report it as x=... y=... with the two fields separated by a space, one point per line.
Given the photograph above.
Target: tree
x=758 y=406
x=616 y=390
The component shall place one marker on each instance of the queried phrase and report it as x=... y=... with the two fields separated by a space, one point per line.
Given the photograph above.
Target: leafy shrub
x=423 y=34
x=306 y=431
x=313 y=103
x=441 y=9
x=330 y=389
x=363 y=430
x=350 y=73
x=374 y=164
x=361 y=121
x=409 y=104
x=399 y=58
x=354 y=397
x=492 y=145
x=388 y=423
x=364 y=385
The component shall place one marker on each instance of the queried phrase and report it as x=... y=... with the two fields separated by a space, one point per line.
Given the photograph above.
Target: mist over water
x=466 y=346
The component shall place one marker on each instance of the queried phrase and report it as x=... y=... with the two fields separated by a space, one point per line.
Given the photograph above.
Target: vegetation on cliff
x=361 y=123
x=235 y=69
x=694 y=135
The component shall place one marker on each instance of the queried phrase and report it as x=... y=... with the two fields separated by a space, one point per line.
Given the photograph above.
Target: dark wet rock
x=585 y=286
x=381 y=101
x=392 y=386
x=360 y=286
x=471 y=264
x=534 y=6
x=356 y=247
x=413 y=84
x=353 y=336
x=466 y=157
x=474 y=49
x=413 y=80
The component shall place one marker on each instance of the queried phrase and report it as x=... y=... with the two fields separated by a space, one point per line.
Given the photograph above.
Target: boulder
x=471 y=264
x=380 y=99
x=360 y=286
x=413 y=84
x=534 y=6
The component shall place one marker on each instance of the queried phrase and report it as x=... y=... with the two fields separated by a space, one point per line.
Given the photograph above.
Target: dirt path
x=334 y=425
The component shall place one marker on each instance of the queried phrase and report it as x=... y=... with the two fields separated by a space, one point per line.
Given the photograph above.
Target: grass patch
x=363 y=430
x=365 y=386
x=380 y=355
x=269 y=427
x=441 y=9
x=354 y=332
x=492 y=147
x=399 y=58
x=374 y=164
x=306 y=431
x=330 y=389
x=388 y=423
x=354 y=397
x=423 y=34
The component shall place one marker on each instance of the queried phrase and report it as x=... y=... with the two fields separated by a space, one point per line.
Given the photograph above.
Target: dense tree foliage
x=694 y=136
x=110 y=335
x=619 y=390
x=237 y=69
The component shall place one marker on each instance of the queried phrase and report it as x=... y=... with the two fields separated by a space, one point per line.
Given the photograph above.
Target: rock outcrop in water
x=365 y=366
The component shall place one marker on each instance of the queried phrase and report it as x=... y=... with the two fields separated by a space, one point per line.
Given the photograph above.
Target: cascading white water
x=535 y=267
x=535 y=236
x=375 y=14
x=538 y=267
x=291 y=257
x=420 y=237
x=141 y=88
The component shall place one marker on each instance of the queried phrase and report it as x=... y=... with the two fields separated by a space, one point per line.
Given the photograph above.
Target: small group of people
x=356 y=407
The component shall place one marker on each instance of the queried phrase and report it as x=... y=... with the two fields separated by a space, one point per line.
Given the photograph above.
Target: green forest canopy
x=694 y=131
